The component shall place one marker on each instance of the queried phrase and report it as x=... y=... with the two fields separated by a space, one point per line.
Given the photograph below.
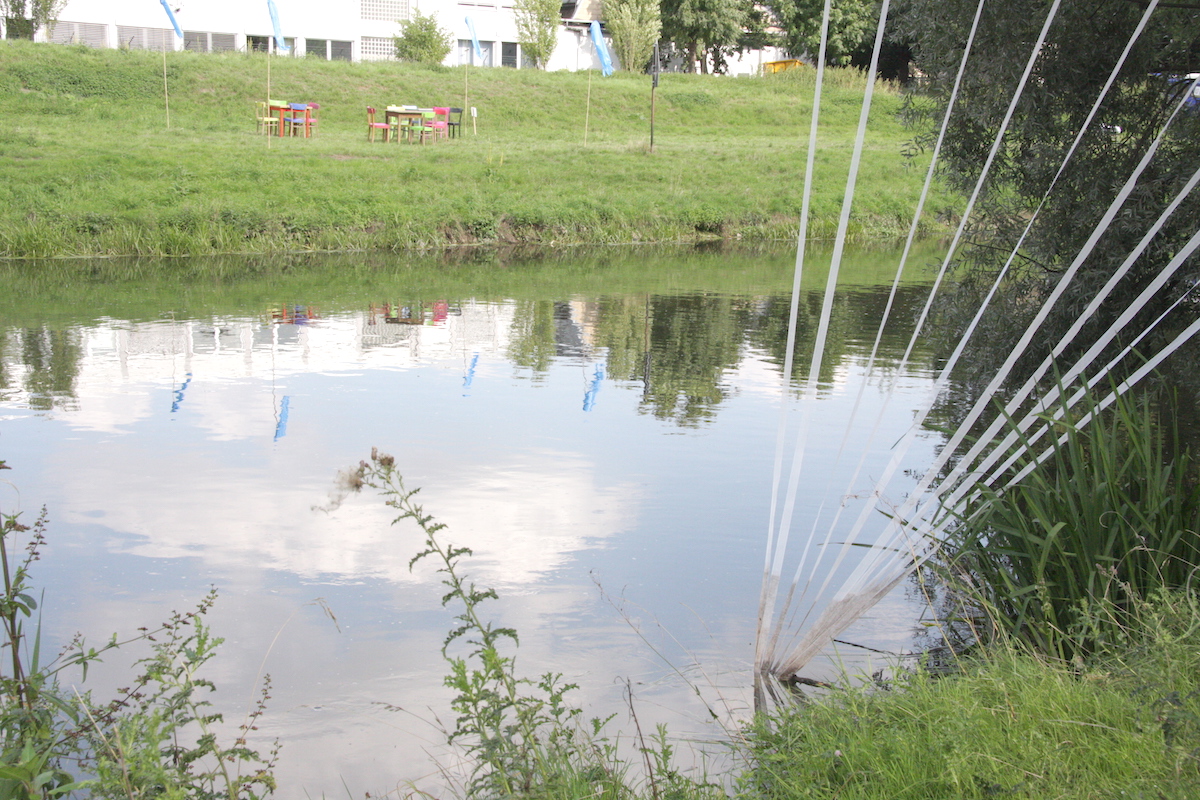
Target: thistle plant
x=521 y=735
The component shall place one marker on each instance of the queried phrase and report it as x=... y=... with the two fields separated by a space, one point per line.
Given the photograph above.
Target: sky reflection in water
x=619 y=518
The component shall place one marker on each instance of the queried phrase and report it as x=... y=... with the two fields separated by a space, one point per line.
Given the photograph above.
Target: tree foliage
x=851 y=22
x=635 y=26
x=24 y=17
x=537 y=29
x=1083 y=45
x=702 y=29
x=422 y=41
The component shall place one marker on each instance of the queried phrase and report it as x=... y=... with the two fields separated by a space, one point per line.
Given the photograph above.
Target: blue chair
x=300 y=118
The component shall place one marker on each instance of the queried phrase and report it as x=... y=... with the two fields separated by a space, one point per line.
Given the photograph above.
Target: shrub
x=422 y=41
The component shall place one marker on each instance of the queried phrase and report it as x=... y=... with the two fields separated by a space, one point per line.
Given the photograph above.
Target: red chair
x=373 y=126
x=441 y=123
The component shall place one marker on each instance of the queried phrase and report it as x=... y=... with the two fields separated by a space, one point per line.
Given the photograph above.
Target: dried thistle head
x=382 y=459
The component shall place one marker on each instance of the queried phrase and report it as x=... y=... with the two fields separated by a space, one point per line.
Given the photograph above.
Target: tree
x=701 y=27
x=1081 y=49
x=24 y=17
x=635 y=26
x=851 y=22
x=422 y=41
x=537 y=29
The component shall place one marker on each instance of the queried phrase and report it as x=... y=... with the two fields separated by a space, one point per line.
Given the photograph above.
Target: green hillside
x=90 y=166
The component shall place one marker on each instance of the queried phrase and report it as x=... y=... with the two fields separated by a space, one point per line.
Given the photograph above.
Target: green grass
x=90 y=167
x=1011 y=725
x=1060 y=558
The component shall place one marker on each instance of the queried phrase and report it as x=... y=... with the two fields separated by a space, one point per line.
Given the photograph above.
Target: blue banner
x=280 y=44
x=475 y=42
x=171 y=16
x=281 y=424
x=606 y=66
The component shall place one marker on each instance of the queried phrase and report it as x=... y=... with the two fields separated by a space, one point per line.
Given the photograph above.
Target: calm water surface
x=602 y=438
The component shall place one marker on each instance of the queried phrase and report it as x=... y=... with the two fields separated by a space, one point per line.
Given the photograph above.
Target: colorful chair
x=313 y=108
x=300 y=118
x=422 y=129
x=441 y=122
x=454 y=122
x=373 y=126
x=267 y=122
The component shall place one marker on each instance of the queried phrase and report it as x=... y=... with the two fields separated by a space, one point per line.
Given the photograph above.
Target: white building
x=352 y=30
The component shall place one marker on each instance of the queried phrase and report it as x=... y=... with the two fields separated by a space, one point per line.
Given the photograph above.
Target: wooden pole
x=652 y=90
x=268 y=127
x=654 y=70
x=166 y=96
x=587 y=109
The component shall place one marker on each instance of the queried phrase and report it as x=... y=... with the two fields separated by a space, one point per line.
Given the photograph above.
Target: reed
x=1061 y=558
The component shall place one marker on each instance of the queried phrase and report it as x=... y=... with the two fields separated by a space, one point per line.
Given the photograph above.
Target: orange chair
x=373 y=126
x=313 y=108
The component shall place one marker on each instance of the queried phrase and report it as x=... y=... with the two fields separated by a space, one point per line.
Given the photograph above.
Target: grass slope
x=91 y=168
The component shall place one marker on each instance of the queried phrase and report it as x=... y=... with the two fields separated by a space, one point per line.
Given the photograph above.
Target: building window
x=340 y=51
x=508 y=54
x=91 y=34
x=316 y=47
x=266 y=44
x=466 y=53
x=385 y=10
x=208 y=42
x=376 y=48
x=145 y=38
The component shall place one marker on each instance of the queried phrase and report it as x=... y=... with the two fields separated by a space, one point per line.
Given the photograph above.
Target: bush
x=422 y=41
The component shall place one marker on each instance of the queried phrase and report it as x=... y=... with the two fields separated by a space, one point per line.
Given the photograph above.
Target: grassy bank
x=90 y=166
x=1012 y=724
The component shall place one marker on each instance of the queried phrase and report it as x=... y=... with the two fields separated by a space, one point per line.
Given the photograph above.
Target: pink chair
x=441 y=123
x=373 y=126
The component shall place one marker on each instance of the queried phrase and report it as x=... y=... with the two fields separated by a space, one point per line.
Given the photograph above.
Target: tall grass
x=90 y=167
x=1061 y=559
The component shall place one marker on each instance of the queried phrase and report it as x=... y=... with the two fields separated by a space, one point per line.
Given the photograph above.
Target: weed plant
x=91 y=167
x=520 y=735
x=157 y=738
x=1060 y=559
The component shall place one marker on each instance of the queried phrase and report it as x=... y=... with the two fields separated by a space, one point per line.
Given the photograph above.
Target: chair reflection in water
x=410 y=314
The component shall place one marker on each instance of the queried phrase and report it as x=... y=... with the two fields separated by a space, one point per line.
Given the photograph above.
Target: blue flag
x=606 y=66
x=475 y=42
x=280 y=44
x=281 y=424
x=171 y=16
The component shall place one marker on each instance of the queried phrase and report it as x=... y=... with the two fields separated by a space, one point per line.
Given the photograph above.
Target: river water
x=598 y=427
